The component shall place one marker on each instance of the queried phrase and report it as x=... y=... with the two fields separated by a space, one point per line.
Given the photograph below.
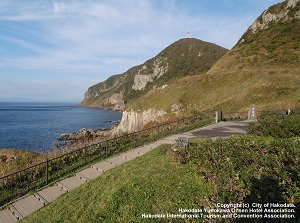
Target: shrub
x=277 y=125
x=259 y=168
x=248 y=168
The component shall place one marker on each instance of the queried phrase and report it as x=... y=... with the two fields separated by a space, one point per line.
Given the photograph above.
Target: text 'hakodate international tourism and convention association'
x=232 y=210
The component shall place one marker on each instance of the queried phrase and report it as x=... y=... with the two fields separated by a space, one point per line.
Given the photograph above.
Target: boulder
x=3 y=158
x=175 y=108
x=83 y=134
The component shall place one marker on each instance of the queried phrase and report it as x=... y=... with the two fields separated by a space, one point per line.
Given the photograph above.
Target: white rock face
x=266 y=19
x=141 y=79
x=158 y=69
x=292 y=3
x=115 y=98
x=269 y=17
x=133 y=121
x=117 y=101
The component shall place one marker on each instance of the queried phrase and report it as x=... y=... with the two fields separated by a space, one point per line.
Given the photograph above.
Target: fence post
x=84 y=154
x=106 y=148
x=134 y=139
x=12 y=191
x=177 y=125
x=217 y=118
x=47 y=172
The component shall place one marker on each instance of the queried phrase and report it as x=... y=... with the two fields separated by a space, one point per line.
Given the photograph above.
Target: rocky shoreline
x=88 y=134
x=85 y=134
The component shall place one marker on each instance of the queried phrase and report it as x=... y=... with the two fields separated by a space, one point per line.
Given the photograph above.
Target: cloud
x=58 y=6
x=54 y=90
x=62 y=40
x=80 y=29
x=19 y=11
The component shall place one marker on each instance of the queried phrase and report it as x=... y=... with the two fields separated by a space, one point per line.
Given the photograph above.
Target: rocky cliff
x=274 y=14
x=134 y=121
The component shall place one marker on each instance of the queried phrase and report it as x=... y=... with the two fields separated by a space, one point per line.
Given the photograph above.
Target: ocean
x=35 y=126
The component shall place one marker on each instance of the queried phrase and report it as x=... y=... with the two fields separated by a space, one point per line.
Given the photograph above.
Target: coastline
x=36 y=126
x=101 y=107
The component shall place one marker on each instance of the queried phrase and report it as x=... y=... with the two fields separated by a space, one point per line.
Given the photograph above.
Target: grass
x=241 y=169
x=229 y=90
x=262 y=167
x=12 y=160
x=152 y=184
x=244 y=169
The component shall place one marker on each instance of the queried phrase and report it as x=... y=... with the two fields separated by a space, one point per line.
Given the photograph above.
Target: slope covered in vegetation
x=262 y=69
x=183 y=58
x=249 y=169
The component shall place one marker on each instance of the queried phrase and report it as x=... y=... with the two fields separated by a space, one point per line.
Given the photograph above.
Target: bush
x=248 y=169
x=259 y=168
x=277 y=125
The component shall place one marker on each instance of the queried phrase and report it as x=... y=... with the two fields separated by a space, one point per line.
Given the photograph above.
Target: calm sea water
x=35 y=126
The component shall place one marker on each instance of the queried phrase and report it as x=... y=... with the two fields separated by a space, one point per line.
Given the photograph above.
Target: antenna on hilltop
x=188 y=35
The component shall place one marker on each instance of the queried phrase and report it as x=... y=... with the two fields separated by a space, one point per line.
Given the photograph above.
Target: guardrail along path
x=30 y=203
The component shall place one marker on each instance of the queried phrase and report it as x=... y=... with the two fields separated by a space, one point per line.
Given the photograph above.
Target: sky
x=53 y=50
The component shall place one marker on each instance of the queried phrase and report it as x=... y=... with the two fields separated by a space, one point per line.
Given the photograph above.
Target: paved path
x=30 y=203
x=222 y=129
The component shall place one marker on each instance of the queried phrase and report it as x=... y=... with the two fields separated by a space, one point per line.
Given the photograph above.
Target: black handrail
x=19 y=183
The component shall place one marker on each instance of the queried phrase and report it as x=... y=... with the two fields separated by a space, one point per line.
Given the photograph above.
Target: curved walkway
x=30 y=203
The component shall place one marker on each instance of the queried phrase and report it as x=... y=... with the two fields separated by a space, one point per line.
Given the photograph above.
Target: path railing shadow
x=264 y=191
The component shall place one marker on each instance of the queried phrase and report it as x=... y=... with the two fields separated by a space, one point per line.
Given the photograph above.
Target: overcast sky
x=54 y=50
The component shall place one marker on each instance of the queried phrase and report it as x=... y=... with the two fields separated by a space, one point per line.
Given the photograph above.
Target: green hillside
x=263 y=68
x=185 y=57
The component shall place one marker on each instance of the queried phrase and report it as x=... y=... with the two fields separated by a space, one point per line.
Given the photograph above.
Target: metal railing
x=241 y=116
x=231 y=116
x=17 y=184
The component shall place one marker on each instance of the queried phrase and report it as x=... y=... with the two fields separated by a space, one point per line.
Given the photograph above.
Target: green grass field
x=152 y=184
x=245 y=169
